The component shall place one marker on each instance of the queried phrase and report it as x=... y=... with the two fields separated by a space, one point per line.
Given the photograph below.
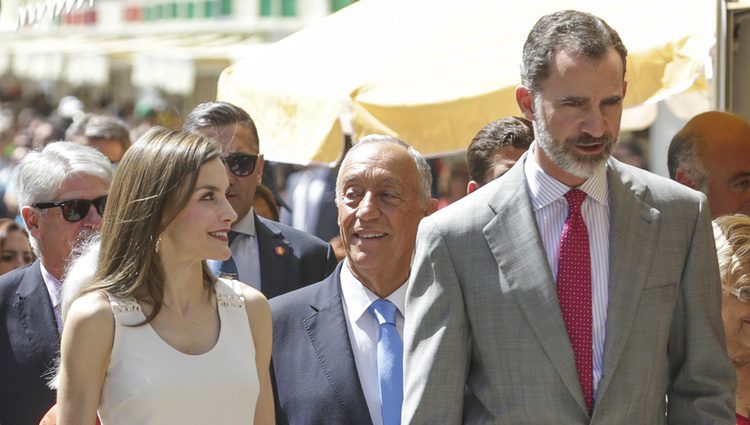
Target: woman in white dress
x=156 y=338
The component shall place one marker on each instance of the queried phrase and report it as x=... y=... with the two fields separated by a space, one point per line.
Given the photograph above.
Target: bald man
x=711 y=153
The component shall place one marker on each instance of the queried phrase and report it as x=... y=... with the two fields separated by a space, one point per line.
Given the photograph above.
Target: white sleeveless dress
x=149 y=382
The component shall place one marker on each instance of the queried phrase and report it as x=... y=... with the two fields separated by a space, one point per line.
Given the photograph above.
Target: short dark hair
x=516 y=132
x=569 y=30
x=217 y=114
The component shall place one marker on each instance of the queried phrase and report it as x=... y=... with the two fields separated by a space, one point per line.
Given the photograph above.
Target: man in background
x=109 y=135
x=711 y=153
x=269 y=256
x=62 y=192
x=496 y=148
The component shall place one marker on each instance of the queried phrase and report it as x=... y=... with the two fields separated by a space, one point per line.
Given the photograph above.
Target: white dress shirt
x=245 y=251
x=363 y=331
x=551 y=210
x=54 y=289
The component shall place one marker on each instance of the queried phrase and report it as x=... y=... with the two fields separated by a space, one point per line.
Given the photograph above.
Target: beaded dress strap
x=123 y=305
x=228 y=294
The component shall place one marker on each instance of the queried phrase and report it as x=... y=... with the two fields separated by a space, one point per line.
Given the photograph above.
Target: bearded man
x=575 y=289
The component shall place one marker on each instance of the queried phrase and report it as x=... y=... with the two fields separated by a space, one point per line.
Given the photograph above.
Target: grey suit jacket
x=485 y=342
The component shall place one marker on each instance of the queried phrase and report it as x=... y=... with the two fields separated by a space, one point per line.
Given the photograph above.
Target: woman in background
x=15 y=250
x=732 y=236
x=156 y=338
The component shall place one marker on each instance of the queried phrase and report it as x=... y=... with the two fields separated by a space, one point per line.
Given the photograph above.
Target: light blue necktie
x=390 y=367
x=228 y=268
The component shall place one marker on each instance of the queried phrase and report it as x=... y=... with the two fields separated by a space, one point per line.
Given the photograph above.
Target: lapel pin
x=280 y=251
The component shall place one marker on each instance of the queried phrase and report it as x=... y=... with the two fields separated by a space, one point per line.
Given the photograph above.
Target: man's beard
x=563 y=154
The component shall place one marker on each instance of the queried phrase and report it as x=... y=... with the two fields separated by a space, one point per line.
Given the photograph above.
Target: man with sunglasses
x=272 y=257
x=62 y=191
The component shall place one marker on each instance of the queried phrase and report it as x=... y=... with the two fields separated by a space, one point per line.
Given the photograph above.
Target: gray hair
x=42 y=173
x=423 y=168
x=569 y=30
x=683 y=155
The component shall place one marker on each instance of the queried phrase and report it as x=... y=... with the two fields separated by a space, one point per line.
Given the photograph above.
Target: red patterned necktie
x=574 y=291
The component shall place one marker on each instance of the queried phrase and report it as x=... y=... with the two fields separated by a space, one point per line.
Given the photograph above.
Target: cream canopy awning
x=433 y=72
x=170 y=62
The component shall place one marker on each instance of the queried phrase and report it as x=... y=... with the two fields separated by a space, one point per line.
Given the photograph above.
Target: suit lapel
x=634 y=227
x=513 y=238
x=36 y=317
x=274 y=253
x=326 y=327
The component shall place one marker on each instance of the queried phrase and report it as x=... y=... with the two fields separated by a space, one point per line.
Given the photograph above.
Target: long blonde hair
x=152 y=185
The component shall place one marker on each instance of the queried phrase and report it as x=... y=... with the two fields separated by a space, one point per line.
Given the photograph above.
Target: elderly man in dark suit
x=62 y=192
x=336 y=353
x=272 y=257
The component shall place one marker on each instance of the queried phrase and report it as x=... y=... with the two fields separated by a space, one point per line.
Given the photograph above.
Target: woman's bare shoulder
x=89 y=310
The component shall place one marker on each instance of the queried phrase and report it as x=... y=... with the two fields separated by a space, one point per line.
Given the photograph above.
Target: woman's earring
x=157 y=247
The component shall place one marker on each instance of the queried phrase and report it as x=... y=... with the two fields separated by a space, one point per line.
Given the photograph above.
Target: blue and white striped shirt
x=550 y=210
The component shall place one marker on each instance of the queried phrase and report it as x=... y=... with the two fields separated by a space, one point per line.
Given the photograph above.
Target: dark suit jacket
x=289 y=258
x=29 y=344
x=315 y=377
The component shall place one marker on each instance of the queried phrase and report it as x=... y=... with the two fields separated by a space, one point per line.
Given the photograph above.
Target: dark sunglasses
x=75 y=210
x=240 y=164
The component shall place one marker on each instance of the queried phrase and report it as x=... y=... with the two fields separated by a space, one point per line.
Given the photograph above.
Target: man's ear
x=31 y=218
x=681 y=176
x=525 y=100
x=431 y=206
x=472 y=186
x=259 y=168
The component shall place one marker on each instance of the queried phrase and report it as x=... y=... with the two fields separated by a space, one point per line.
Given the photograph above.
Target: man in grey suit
x=574 y=289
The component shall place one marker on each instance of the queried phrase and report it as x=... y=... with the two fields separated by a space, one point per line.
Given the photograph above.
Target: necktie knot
x=228 y=268
x=384 y=311
x=575 y=198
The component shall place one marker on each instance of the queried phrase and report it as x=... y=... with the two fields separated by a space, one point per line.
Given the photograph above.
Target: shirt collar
x=358 y=298
x=54 y=286
x=246 y=225
x=545 y=189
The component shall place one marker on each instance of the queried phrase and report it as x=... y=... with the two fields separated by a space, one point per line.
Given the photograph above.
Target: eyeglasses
x=7 y=257
x=75 y=210
x=742 y=293
x=241 y=164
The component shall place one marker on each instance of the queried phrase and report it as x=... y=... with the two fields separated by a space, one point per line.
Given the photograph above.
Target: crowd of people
x=148 y=280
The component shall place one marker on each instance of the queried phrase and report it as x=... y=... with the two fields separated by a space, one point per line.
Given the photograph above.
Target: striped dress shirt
x=551 y=210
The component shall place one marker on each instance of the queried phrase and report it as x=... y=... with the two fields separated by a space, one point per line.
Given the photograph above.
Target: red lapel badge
x=280 y=251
